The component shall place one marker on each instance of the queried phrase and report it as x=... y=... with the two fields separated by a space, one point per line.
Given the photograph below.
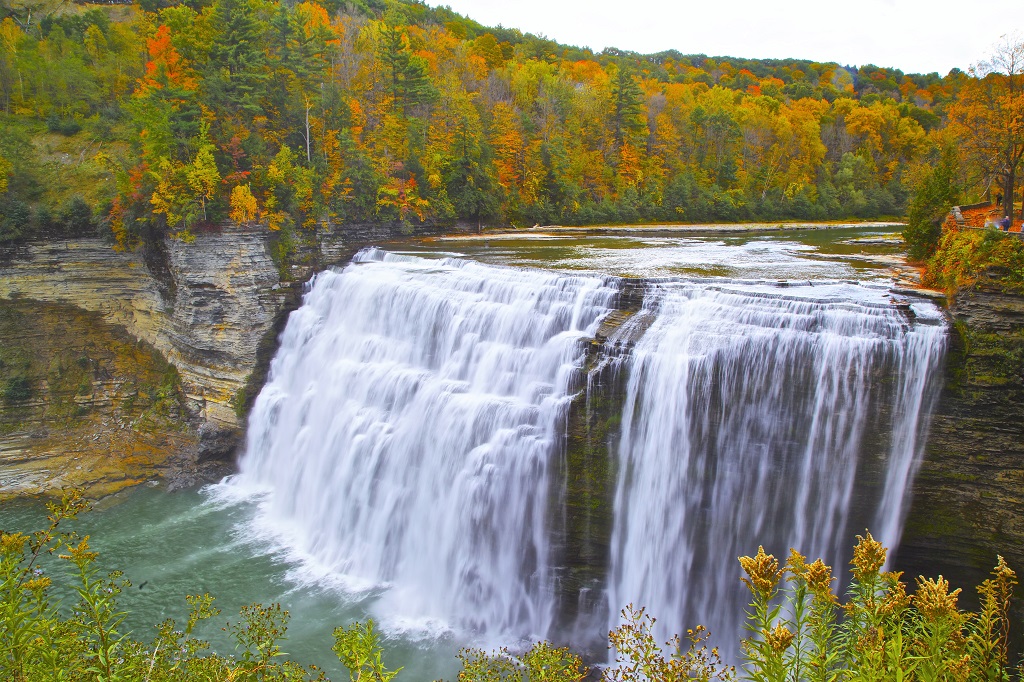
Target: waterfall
x=405 y=435
x=408 y=441
x=750 y=418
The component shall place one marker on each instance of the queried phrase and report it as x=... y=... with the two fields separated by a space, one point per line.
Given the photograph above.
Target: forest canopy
x=162 y=117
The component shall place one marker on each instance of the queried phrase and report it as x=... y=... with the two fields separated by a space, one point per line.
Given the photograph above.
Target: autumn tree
x=988 y=118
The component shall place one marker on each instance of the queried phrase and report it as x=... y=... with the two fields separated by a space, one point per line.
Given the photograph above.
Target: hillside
x=157 y=118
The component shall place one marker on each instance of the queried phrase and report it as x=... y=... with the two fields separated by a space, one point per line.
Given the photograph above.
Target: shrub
x=64 y=126
x=964 y=255
x=76 y=218
x=17 y=389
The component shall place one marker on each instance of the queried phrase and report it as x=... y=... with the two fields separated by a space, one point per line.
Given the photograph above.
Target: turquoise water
x=173 y=545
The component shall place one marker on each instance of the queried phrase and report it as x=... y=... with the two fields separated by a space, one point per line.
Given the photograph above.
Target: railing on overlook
x=969 y=216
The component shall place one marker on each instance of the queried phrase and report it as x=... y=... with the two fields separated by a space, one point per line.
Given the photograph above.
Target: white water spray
x=749 y=416
x=406 y=432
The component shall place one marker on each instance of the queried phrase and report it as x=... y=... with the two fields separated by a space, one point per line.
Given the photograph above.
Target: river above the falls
x=265 y=536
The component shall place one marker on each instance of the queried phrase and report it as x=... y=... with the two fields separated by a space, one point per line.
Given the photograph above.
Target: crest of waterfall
x=405 y=435
x=749 y=418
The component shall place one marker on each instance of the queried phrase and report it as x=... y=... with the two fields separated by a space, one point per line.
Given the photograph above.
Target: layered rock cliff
x=210 y=309
x=206 y=312
x=968 y=499
x=83 y=403
x=203 y=308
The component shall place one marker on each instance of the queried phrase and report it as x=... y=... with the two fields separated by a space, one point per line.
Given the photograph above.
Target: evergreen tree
x=930 y=205
x=628 y=117
x=237 y=73
x=469 y=185
x=408 y=82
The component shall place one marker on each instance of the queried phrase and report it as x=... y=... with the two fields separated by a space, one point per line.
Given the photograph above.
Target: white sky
x=917 y=36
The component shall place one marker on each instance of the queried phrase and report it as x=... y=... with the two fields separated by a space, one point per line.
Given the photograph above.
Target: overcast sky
x=917 y=36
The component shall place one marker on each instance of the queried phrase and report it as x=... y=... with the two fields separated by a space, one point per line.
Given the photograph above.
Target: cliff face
x=210 y=310
x=968 y=498
x=83 y=403
x=206 y=313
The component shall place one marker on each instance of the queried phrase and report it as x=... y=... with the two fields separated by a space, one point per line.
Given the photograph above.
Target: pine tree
x=408 y=82
x=628 y=115
x=237 y=72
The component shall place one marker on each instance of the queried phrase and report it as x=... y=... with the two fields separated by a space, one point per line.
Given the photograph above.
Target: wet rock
x=217 y=444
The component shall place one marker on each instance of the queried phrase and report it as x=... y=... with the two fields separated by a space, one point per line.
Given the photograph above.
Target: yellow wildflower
x=763 y=571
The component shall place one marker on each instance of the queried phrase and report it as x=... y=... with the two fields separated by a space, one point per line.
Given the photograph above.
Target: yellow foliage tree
x=244 y=208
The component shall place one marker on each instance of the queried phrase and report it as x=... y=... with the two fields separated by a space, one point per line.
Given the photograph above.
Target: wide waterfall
x=409 y=442
x=407 y=429
x=750 y=418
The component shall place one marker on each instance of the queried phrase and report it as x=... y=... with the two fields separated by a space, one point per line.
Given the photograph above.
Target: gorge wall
x=968 y=498
x=209 y=309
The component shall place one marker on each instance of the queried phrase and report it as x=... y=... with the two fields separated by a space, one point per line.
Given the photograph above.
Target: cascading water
x=749 y=417
x=405 y=434
x=408 y=438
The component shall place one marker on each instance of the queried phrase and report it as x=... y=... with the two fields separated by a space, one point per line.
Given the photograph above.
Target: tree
x=989 y=118
x=937 y=193
x=628 y=119
x=244 y=208
x=203 y=176
x=237 y=74
x=408 y=83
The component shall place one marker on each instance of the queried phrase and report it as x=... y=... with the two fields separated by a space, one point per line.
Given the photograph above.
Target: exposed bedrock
x=968 y=498
x=211 y=309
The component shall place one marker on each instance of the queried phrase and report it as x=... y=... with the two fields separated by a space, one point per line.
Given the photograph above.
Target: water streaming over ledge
x=409 y=436
x=751 y=418
x=407 y=429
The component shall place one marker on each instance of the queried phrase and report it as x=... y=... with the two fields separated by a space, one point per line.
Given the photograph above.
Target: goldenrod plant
x=880 y=633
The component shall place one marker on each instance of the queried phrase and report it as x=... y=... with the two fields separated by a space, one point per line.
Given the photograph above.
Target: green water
x=170 y=545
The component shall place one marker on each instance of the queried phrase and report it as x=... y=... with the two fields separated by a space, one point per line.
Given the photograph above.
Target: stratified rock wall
x=83 y=404
x=225 y=293
x=211 y=308
x=204 y=307
x=968 y=498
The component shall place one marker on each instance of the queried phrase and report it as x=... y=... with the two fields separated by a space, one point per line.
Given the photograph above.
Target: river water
x=401 y=459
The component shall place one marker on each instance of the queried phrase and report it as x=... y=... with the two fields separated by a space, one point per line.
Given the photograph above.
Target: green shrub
x=64 y=126
x=17 y=389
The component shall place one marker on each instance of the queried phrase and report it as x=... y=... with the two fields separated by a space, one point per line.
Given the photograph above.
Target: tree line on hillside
x=165 y=117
